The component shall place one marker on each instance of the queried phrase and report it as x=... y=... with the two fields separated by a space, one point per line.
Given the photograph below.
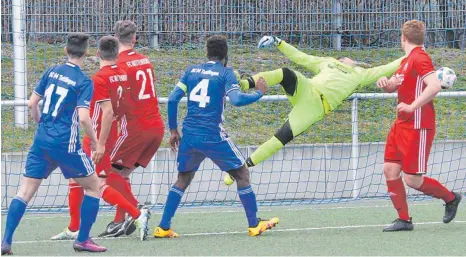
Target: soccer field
x=344 y=229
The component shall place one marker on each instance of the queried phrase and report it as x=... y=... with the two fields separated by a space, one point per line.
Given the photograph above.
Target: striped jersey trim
x=74 y=132
x=418 y=111
x=121 y=139
x=421 y=169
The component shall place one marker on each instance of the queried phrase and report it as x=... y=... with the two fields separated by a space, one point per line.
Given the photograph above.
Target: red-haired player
x=410 y=138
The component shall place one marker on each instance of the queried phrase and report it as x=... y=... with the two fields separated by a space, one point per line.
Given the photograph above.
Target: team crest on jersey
x=405 y=68
x=399 y=78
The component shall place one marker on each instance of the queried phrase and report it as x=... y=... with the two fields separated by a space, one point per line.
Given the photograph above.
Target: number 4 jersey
x=206 y=86
x=64 y=89
x=141 y=104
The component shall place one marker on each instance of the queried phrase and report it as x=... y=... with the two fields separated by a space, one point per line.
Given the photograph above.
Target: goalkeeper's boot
x=400 y=225
x=66 y=234
x=6 y=249
x=263 y=225
x=113 y=230
x=141 y=223
x=88 y=246
x=162 y=233
x=451 y=208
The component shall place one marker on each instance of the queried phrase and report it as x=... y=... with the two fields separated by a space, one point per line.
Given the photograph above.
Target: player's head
x=217 y=49
x=125 y=31
x=413 y=32
x=108 y=48
x=76 y=45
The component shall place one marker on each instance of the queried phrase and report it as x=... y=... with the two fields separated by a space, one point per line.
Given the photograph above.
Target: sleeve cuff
x=35 y=92
x=427 y=74
x=82 y=106
x=232 y=89
x=103 y=100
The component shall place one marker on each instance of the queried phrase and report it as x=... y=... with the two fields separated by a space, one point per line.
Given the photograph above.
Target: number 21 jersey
x=140 y=101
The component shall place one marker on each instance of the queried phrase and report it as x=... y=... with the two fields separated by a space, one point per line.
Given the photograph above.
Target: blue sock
x=173 y=200
x=248 y=199
x=15 y=213
x=89 y=210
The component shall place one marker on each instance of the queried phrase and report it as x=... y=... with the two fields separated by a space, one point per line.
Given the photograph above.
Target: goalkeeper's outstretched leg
x=307 y=109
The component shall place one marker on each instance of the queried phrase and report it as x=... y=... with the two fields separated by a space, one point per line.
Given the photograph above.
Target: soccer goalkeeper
x=311 y=98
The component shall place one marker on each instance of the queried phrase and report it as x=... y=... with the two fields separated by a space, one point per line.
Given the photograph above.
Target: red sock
x=433 y=188
x=75 y=199
x=397 y=192
x=119 y=183
x=113 y=197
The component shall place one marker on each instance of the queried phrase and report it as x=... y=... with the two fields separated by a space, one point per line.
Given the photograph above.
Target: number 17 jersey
x=206 y=86
x=64 y=89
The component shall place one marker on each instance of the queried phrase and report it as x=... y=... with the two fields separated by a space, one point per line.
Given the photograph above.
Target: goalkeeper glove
x=268 y=40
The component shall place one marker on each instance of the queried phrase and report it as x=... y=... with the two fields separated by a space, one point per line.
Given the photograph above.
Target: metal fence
x=357 y=23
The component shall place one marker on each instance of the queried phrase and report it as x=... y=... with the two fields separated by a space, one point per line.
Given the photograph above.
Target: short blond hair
x=414 y=31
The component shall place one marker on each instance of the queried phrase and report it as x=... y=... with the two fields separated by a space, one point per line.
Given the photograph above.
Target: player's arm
x=425 y=69
x=238 y=98
x=103 y=98
x=310 y=62
x=84 y=99
x=173 y=100
x=433 y=87
x=37 y=95
x=33 y=105
x=106 y=123
x=388 y=85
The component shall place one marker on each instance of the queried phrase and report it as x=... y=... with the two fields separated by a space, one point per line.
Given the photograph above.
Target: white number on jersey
x=62 y=92
x=202 y=97
x=141 y=74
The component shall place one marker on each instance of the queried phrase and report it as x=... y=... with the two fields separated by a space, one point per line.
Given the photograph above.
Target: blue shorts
x=41 y=162
x=220 y=149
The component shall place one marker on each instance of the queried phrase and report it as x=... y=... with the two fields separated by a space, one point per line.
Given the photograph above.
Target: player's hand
x=402 y=107
x=174 y=140
x=268 y=40
x=98 y=153
x=261 y=85
x=383 y=82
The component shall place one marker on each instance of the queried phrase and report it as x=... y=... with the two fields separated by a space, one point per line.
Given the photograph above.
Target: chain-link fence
x=360 y=23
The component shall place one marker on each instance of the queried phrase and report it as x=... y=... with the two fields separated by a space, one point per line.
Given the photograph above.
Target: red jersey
x=142 y=105
x=109 y=82
x=410 y=75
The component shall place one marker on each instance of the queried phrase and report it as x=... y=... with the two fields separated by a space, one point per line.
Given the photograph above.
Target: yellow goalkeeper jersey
x=334 y=79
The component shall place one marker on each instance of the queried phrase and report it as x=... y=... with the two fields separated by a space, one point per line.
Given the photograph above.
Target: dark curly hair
x=217 y=47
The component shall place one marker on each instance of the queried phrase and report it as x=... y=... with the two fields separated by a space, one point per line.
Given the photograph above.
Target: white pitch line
x=42 y=215
x=244 y=232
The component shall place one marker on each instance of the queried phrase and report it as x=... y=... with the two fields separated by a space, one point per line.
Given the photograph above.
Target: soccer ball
x=447 y=76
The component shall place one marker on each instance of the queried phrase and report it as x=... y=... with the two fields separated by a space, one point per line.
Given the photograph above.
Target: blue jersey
x=64 y=89
x=206 y=87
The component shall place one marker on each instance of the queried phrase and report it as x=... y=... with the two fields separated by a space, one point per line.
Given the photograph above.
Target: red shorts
x=410 y=148
x=136 y=146
x=104 y=166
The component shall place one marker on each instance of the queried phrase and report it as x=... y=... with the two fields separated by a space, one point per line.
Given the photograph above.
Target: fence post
x=355 y=146
x=19 y=55
x=154 y=21
x=337 y=24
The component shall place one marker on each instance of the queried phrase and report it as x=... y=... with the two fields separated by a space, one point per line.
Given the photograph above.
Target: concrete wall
x=315 y=173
